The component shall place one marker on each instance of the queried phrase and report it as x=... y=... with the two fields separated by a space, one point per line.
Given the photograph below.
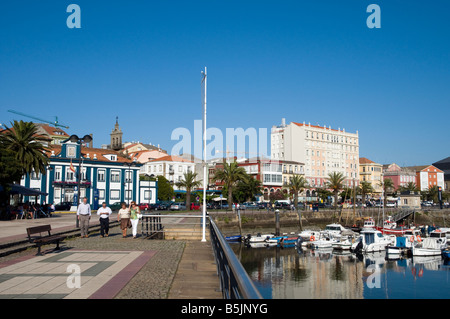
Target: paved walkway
x=196 y=276
x=111 y=267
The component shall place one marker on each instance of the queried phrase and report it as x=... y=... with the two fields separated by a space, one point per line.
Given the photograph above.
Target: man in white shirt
x=84 y=215
x=104 y=212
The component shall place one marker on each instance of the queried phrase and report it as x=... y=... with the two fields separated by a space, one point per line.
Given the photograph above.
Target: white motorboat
x=345 y=244
x=431 y=246
x=334 y=230
x=309 y=235
x=259 y=238
x=403 y=244
x=371 y=240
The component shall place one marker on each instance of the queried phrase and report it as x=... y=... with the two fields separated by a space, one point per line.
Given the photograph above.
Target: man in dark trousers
x=104 y=212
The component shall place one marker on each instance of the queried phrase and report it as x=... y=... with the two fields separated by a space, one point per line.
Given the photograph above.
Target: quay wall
x=264 y=218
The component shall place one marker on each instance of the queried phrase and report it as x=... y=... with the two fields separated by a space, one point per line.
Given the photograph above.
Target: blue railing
x=234 y=280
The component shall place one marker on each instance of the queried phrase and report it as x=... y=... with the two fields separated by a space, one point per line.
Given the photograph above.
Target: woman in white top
x=104 y=212
x=123 y=216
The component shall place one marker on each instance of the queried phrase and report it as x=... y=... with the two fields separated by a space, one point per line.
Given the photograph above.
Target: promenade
x=105 y=268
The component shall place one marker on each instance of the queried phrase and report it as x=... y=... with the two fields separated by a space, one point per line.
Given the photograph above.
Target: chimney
x=95 y=156
x=283 y=122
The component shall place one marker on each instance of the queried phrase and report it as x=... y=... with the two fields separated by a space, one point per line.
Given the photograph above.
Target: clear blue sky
x=313 y=61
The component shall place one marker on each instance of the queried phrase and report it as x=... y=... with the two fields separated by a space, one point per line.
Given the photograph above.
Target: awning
x=22 y=190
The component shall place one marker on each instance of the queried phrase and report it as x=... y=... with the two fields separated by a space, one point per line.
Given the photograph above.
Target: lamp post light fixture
x=76 y=139
x=128 y=181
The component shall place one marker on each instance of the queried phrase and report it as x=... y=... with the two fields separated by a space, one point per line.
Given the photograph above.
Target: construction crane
x=55 y=123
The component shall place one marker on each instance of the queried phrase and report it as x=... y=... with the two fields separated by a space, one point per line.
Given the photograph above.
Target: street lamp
x=127 y=181
x=75 y=139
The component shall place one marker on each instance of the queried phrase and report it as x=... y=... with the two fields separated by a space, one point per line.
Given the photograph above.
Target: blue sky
x=312 y=61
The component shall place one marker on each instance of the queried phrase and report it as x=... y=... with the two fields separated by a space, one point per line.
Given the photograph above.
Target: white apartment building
x=322 y=150
x=171 y=167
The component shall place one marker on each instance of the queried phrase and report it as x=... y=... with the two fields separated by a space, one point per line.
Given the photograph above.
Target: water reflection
x=288 y=273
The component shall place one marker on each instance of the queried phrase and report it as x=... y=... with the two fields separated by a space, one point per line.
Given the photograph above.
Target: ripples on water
x=288 y=273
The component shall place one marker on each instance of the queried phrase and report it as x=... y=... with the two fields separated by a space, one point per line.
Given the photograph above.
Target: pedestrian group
x=127 y=217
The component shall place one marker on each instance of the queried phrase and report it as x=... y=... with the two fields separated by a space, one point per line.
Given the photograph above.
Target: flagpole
x=204 y=159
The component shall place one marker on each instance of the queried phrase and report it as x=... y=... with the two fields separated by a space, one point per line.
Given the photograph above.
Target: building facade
x=444 y=165
x=106 y=176
x=371 y=172
x=428 y=176
x=322 y=149
x=400 y=176
x=171 y=167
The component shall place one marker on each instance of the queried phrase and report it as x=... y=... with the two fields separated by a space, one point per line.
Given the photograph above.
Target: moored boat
x=431 y=246
x=371 y=240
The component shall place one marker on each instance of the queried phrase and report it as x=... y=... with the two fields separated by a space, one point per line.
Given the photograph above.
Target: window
x=101 y=194
x=115 y=176
x=128 y=176
x=147 y=195
x=58 y=174
x=129 y=194
x=115 y=194
x=70 y=176
x=101 y=175
x=35 y=176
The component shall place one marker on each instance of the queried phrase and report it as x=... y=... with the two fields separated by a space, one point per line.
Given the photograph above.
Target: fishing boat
x=275 y=239
x=371 y=240
x=431 y=246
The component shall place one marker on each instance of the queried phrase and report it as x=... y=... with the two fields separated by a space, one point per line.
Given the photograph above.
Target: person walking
x=134 y=211
x=104 y=212
x=123 y=216
x=84 y=215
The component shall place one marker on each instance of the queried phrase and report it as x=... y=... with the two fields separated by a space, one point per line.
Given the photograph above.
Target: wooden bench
x=43 y=240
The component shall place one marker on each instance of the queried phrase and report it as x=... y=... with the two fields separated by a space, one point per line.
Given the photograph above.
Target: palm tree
x=230 y=174
x=335 y=183
x=297 y=184
x=189 y=183
x=366 y=188
x=387 y=185
x=27 y=145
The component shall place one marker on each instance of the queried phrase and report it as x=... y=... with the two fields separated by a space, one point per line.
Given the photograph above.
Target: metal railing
x=234 y=280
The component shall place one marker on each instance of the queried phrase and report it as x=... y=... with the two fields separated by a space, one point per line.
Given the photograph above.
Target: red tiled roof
x=170 y=158
x=363 y=160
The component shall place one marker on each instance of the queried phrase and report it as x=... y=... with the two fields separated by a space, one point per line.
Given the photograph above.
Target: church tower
x=116 y=136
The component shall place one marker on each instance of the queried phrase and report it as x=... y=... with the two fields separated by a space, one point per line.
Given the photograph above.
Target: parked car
x=195 y=206
x=144 y=206
x=63 y=206
x=115 y=206
x=178 y=206
x=250 y=205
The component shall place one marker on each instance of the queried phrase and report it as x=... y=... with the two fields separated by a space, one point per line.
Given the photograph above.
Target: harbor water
x=291 y=273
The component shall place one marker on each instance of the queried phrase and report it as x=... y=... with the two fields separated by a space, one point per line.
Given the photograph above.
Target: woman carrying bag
x=134 y=217
x=123 y=216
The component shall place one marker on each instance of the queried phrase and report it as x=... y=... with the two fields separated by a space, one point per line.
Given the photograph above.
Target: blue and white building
x=106 y=176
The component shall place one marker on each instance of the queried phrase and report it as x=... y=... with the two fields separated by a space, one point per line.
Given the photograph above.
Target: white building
x=171 y=167
x=322 y=149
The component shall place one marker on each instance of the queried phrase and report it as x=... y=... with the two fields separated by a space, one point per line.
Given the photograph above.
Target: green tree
x=366 y=189
x=230 y=175
x=388 y=187
x=335 y=183
x=411 y=186
x=188 y=182
x=165 y=190
x=297 y=184
x=28 y=147
x=247 y=188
